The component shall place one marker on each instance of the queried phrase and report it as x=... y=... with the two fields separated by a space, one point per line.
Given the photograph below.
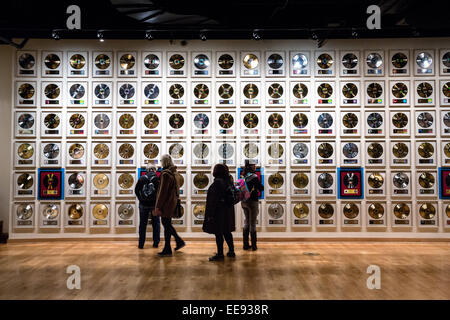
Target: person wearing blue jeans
x=147 y=206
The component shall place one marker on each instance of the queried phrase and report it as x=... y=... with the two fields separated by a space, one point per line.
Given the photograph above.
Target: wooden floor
x=118 y=270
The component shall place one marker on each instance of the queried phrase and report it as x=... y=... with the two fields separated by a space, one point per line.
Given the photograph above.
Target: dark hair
x=248 y=168
x=221 y=171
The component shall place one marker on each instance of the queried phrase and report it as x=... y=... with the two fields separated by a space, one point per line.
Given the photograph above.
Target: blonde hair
x=166 y=161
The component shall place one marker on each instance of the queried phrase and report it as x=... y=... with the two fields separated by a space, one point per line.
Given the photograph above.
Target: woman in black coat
x=219 y=214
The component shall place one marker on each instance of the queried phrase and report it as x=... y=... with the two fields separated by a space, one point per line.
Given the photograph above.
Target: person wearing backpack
x=146 y=190
x=251 y=205
x=220 y=214
x=168 y=204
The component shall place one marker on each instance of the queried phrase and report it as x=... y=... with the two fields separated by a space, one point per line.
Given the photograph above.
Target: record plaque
x=444 y=183
x=350 y=184
x=51 y=184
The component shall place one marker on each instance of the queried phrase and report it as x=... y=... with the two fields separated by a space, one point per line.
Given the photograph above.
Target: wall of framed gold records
x=69 y=106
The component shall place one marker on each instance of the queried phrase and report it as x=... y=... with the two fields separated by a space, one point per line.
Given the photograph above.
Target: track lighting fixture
x=100 y=36
x=55 y=35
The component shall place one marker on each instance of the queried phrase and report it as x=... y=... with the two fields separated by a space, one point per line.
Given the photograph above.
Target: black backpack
x=148 y=193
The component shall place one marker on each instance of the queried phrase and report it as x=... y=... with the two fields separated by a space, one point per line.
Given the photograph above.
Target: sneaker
x=216 y=258
x=165 y=254
x=180 y=245
x=231 y=254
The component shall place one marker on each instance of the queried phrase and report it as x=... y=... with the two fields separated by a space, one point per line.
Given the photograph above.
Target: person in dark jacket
x=146 y=207
x=166 y=203
x=251 y=206
x=220 y=214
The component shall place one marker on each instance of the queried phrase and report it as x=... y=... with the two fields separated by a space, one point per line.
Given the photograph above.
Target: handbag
x=178 y=210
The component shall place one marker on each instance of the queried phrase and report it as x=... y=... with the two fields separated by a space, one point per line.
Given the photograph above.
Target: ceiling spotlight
x=148 y=35
x=354 y=34
x=202 y=36
x=256 y=35
x=314 y=36
x=100 y=36
x=55 y=35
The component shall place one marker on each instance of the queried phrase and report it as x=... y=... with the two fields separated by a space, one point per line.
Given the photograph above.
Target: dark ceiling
x=176 y=19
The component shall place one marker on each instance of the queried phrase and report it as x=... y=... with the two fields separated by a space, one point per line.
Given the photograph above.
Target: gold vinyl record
x=77 y=61
x=102 y=61
x=399 y=60
x=100 y=211
x=151 y=151
x=127 y=61
x=427 y=211
x=275 y=120
x=447 y=211
x=50 y=211
x=400 y=150
x=301 y=180
x=176 y=91
x=349 y=90
x=52 y=61
x=399 y=90
x=251 y=120
x=201 y=91
x=324 y=61
x=251 y=150
x=276 y=180
x=126 y=151
x=26 y=91
x=374 y=90
x=300 y=120
x=25 y=151
x=101 y=151
x=176 y=61
x=275 y=90
x=251 y=61
x=325 y=90
x=226 y=120
x=426 y=150
x=300 y=91
x=446 y=89
x=325 y=150
x=375 y=150
x=77 y=121
x=226 y=91
x=376 y=180
x=125 y=211
x=376 y=210
x=251 y=91
x=76 y=180
x=276 y=150
x=199 y=211
x=75 y=211
x=52 y=91
x=76 y=151
x=301 y=210
x=426 y=180
x=226 y=61
x=180 y=180
x=400 y=120
x=25 y=181
x=151 y=121
x=126 y=181
x=424 y=90
x=401 y=211
x=24 y=211
x=275 y=210
x=351 y=210
x=176 y=121
x=52 y=121
x=176 y=150
x=101 y=181
x=326 y=211
x=350 y=120
x=182 y=212
x=201 y=180
x=126 y=121
x=201 y=150
x=447 y=150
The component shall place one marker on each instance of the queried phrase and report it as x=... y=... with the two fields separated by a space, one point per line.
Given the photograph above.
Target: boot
x=253 y=236
x=246 y=233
